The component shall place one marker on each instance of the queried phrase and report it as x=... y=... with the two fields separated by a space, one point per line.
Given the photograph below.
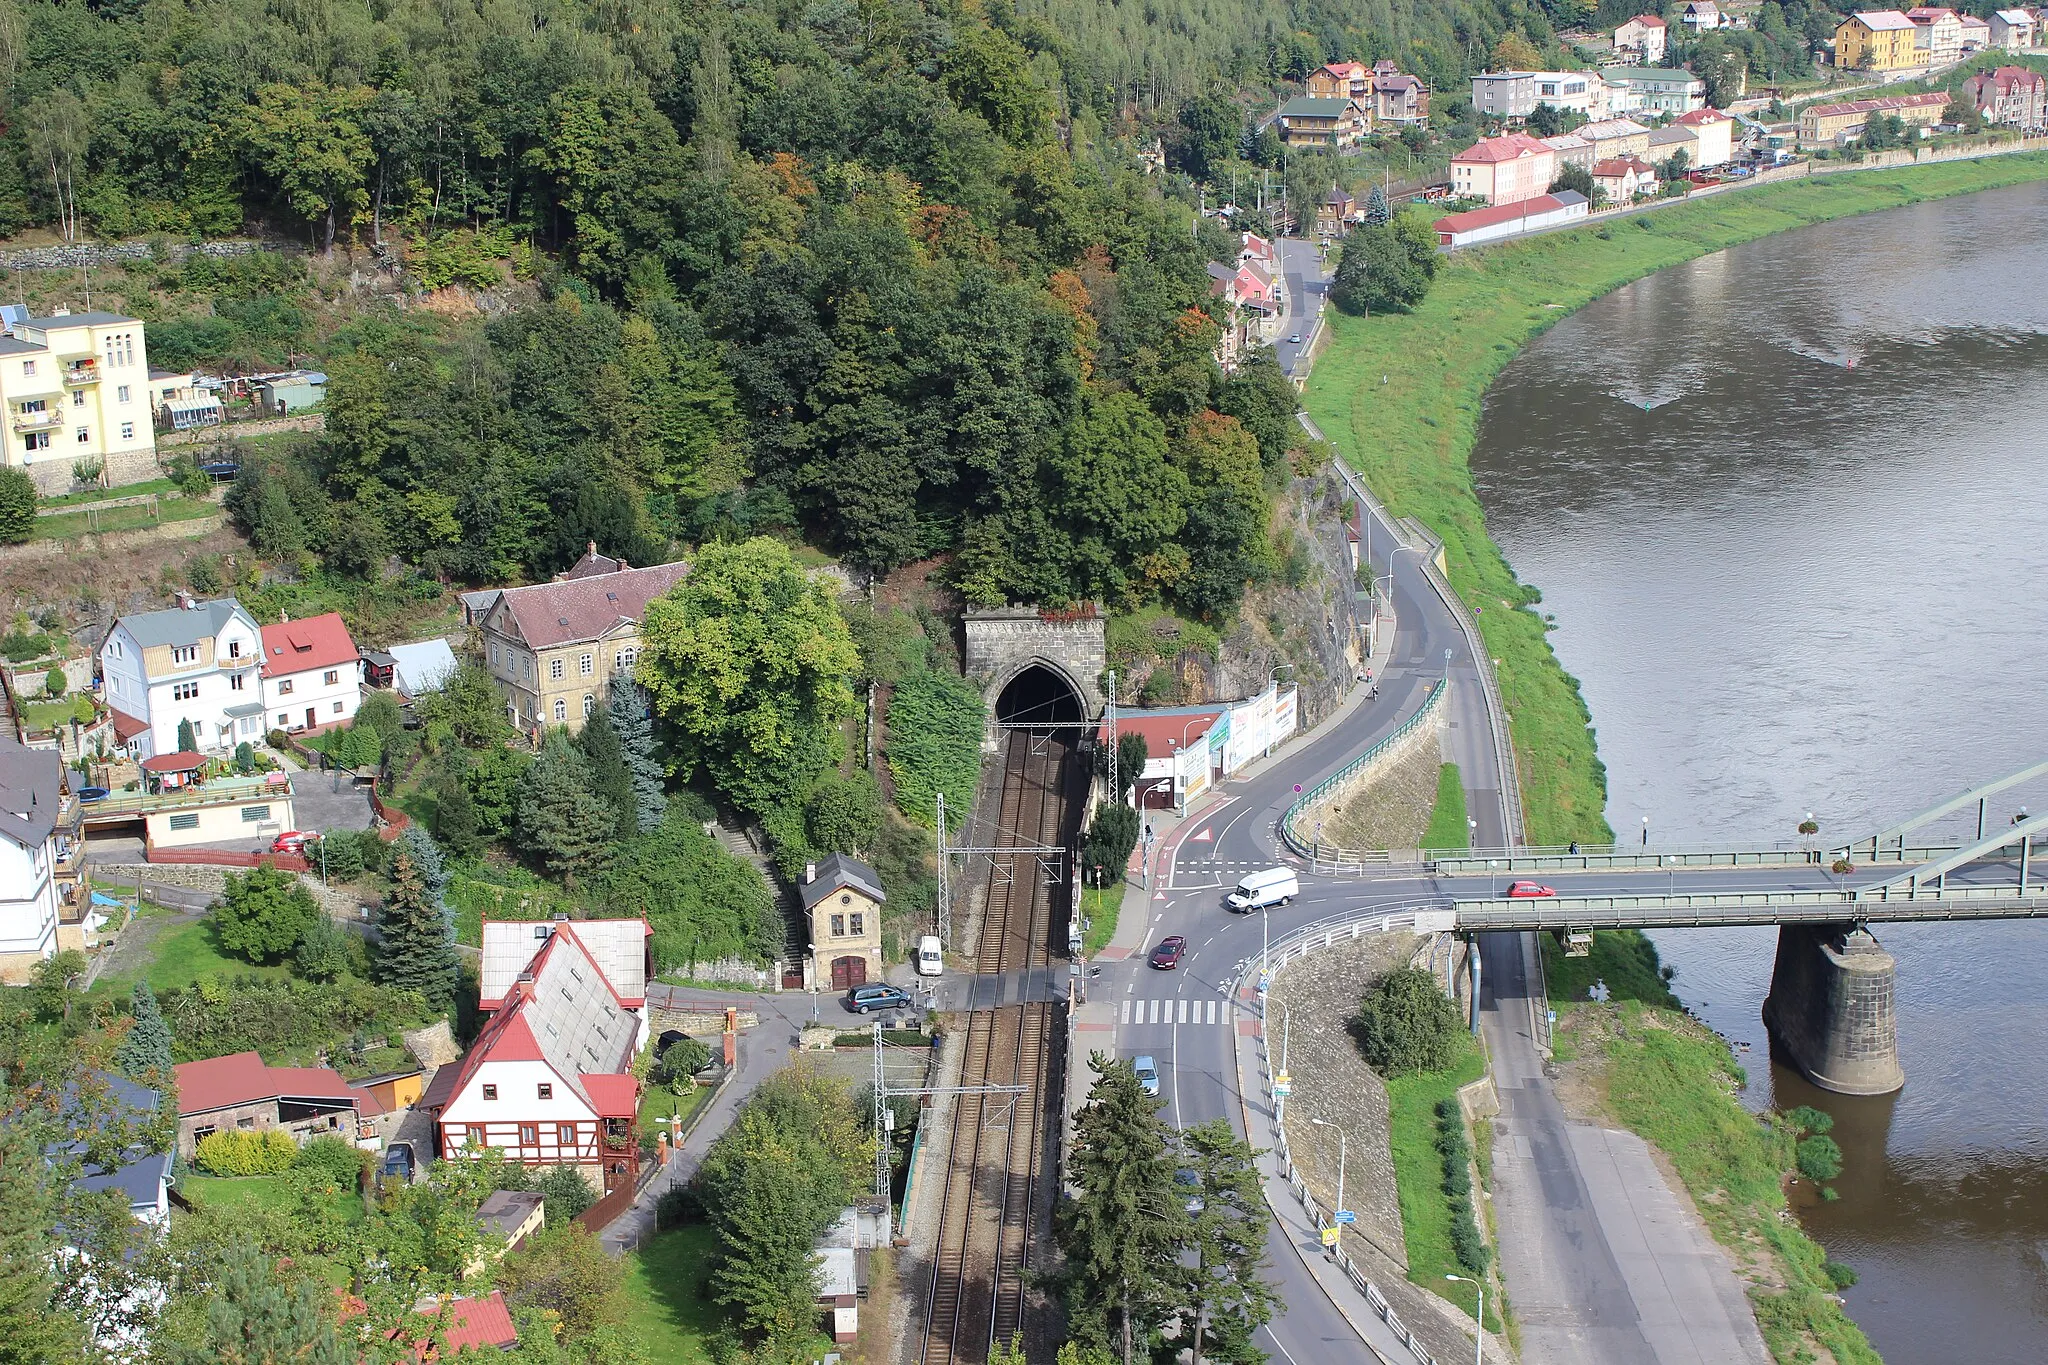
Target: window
x=623 y=662
x=85 y=436
x=561 y=709
x=845 y=898
x=529 y=1135
x=184 y=654
x=248 y=725
x=337 y=708
x=184 y=691
x=859 y=921
x=36 y=440
x=121 y=394
x=839 y=926
x=201 y=1134
x=584 y=664
x=492 y=651
x=28 y=369
x=490 y=1092
x=252 y=814
x=284 y=689
x=589 y=705
x=234 y=649
x=235 y=681
x=565 y=1134
x=547 y=1090
x=473 y=1135
x=78 y=398
x=555 y=669
x=190 y=820
x=331 y=676
x=283 y=720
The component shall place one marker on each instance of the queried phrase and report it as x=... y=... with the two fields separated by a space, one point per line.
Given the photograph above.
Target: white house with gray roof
x=75 y=386
x=198 y=661
x=31 y=807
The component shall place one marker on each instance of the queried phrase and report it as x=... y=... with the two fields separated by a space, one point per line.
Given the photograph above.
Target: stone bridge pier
x=1831 y=1008
x=1036 y=665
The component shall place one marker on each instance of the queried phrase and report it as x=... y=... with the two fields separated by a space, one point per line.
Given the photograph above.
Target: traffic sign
x=1329 y=1237
x=1283 y=1086
x=1297 y=789
x=1346 y=1216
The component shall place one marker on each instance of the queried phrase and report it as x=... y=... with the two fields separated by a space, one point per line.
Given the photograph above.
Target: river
x=1786 y=503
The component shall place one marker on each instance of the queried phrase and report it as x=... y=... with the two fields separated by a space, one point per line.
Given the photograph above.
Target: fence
x=217 y=857
x=1299 y=944
x=600 y=1215
x=1309 y=801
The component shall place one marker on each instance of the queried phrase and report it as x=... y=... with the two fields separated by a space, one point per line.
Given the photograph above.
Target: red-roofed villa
x=312 y=674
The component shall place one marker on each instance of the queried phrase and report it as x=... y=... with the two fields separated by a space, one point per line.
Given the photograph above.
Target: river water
x=1789 y=506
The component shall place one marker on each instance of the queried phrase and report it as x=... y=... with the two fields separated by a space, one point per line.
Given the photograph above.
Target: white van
x=929 y=963
x=1274 y=886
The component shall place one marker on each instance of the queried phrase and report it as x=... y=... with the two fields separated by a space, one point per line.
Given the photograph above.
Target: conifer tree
x=188 y=740
x=418 y=950
x=560 y=819
x=432 y=867
x=610 y=780
x=635 y=729
x=1377 y=211
x=254 y=1319
x=145 y=1054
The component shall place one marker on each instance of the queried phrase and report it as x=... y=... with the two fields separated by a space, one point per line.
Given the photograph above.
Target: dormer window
x=184 y=654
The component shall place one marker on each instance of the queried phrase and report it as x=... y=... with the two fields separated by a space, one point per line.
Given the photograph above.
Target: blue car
x=1148 y=1075
x=861 y=999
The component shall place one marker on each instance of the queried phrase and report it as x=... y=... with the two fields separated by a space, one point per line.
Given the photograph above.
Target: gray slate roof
x=140 y=1177
x=178 y=626
x=29 y=796
x=90 y=318
x=841 y=871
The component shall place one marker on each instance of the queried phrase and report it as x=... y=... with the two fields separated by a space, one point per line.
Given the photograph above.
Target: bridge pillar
x=1830 y=1008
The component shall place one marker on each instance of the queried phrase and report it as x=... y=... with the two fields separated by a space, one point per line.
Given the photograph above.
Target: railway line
x=995 y=1171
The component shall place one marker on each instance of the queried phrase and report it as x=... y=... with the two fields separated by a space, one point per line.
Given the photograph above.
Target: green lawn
x=1399 y=396
x=1447 y=827
x=260 y=1192
x=187 y=952
x=68 y=525
x=657 y=1103
x=44 y=715
x=1100 y=906
x=670 y=1312
x=1419 y=1175
x=1622 y=958
x=126 y=490
x=1671 y=1081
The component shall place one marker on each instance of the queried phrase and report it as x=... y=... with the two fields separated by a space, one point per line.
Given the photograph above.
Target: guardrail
x=1708 y=909
x=1452 y=862
x=1290 y=822
x=1298 y=944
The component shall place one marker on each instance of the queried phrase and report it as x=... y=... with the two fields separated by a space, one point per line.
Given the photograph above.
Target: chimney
x=185 y=601
x=810 y=873
x=590 y=548
x=284 y=618
x=561 y=917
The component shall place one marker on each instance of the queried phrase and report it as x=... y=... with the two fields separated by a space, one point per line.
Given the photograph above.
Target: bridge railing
x=1290 y=823
x=1702 y=909
x=1454 y=862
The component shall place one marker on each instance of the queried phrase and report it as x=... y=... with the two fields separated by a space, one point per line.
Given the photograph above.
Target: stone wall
x=52 y=473
x=1334 y=805
x=190 y=876
x=1002 y=642
x=74 y=255
x=1831 y=1008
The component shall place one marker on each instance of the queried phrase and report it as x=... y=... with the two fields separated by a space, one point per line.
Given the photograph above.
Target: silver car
x=1148 y=1075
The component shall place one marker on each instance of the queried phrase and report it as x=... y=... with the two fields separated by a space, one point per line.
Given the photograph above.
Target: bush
x=1807 y=1120
x=263 y=913
x=933 y=744
x=324 y=952
x=564 y=1193
x=1405 y=1024
x=1107 y=850
x=679 y=1062
x=17 y=506
x=268 y=1151
x=333 y=1161
x=1820 y=1158
x=1842 y=1276
x=339 y=857
x=1466 y=1243
x=245 y=758
x=54 y=683
x=677 y=1206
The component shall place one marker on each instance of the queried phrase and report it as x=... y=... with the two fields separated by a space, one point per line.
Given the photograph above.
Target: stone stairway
x=745 y=845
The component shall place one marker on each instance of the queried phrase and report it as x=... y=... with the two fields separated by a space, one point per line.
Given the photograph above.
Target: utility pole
x=945 y=907
x=885 y=1121
x=1116 y=790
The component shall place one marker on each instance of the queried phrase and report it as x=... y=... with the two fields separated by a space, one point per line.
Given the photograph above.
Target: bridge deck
x=1703 y=909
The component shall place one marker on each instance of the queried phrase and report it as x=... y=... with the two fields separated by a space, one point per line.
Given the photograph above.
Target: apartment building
x=1503 y=170
x=2012 y=95
x=1832 y=124
x=312 y=674
x=75 y=386
x=556 y=646
x=1333 y=124
x=197 y=661
x=1714 y=132
x=1653 y=90
x=1642 y=38
x=1937 y=35
x=1880 y=40
x=2013 y=29
x=38 y=835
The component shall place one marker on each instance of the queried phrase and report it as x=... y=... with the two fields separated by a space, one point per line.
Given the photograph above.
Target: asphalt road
x=1301 y=271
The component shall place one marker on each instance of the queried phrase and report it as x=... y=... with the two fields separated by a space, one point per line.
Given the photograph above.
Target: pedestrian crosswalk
x=1176 y=1011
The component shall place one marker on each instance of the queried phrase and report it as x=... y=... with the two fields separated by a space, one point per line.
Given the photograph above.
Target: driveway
x=330 y=801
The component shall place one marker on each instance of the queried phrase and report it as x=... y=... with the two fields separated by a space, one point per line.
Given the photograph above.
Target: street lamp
x=1343 y=1146
x=1646 y=831
x=1478 y=1346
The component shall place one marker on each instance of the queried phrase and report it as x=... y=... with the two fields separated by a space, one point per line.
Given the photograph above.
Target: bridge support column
x=1830 y=1008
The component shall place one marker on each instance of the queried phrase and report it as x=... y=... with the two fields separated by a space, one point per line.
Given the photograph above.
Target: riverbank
x=1672 y=1082
x=1400 y=396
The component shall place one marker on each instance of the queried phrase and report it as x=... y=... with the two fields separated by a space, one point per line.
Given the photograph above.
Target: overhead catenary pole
x=945 y=905
x=1116 y=790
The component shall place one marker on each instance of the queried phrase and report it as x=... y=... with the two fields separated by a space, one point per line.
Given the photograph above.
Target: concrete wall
x=1002 y=642
x=1831 y=1008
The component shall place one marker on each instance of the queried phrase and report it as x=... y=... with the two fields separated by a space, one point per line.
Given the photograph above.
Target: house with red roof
x=238 y=1092
x=1177 y=753
x=548 y=1081
x=1641 y=38
x=556 y=646
x=1341 y=81
x=1713 y=137
x=1503 y=170
x=2014 y=95
x=443 y=1327
x=312 y=674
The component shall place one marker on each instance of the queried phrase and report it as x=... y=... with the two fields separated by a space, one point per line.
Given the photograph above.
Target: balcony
x=46 y=420
x=81 y=372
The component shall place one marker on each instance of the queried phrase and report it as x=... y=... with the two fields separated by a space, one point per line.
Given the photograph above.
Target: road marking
x=1155 y=1013
x=1183 y=1013
x=1127 y=1012
x=1206 y=836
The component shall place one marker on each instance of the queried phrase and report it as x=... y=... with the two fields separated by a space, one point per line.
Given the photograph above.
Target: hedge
x=269 y=1151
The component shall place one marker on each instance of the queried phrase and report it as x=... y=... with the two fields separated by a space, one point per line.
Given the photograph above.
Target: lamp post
x=1478 y=1346
x=1646 y=831
x=1343 y=1146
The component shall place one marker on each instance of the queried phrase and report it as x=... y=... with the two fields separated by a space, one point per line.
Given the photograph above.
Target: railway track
x=988 y=1215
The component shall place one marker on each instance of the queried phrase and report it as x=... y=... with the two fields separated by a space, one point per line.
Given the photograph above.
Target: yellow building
x=843 y=900
x=75 y=387
x=1882 y=40
x=557 y=646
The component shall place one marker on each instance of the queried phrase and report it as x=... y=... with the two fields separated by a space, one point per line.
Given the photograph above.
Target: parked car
x=1167 y=955
x=291 y=841
x=668 y=1039
x=1148 y=1075
x=861 y=999
x=1522 y=891
x=930 y=961
x=399 y=1162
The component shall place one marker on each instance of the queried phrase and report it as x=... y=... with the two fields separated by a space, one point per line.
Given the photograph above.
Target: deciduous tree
x=17 y=506
x=310 y=139
x=263 y=913
x=1386 y=268
x=1407 y=1024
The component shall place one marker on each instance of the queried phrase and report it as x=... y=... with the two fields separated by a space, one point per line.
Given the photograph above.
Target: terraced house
x=557 y=646
x=75 y=387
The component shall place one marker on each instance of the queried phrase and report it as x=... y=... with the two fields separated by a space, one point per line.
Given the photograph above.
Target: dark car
x=1522 y=891
x=669 y=1038
x=399 y=1162
x=1167 y=955
x=861 y=999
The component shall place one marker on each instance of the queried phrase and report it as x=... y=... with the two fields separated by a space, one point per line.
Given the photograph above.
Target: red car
x=1522 y=891
x=1167 y=955
x=291 y=841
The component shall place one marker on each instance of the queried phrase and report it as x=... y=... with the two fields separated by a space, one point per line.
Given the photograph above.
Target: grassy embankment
x=1670 y=1080
x=1447 y=827
x=1419 y=1175
x=1400 y=398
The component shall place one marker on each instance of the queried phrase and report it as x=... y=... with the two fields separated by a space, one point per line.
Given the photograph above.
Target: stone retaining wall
x=192 y=877
x=73 y=255
x=36 y=551
x=1330 y=807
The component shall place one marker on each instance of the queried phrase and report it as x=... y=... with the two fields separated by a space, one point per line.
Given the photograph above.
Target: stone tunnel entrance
x=1038 y=695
